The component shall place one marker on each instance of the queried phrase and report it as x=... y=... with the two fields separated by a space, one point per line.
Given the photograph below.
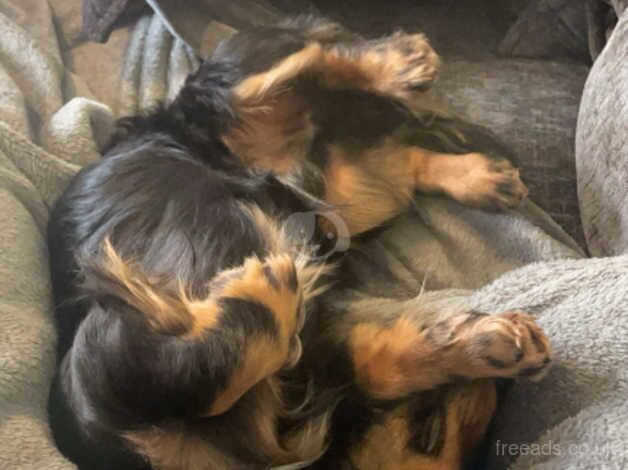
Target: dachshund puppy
x=198 y=331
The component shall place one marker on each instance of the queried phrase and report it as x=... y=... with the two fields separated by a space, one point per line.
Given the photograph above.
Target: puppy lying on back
x=194 y=328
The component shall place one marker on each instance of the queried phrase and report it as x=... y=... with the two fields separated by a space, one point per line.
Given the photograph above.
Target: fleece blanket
x=59 y=97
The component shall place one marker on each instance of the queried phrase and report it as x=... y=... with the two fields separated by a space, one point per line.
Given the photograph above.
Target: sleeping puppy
x=196 y=328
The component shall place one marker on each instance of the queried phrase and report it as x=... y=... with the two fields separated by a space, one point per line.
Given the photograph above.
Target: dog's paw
x=491 y=184
x=406 y=63
x=510 y=345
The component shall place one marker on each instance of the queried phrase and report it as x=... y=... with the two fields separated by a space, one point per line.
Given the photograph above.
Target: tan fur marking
x=261 y=359
x=165 y=312
x=378 y=184
x=267 y=227
x=475 y=404
x=263 y=356
x=206 y=313
x=406 y=63
x=370 y=189
x=396 y=66
x=273 y=129
x=265 y=407
x=176 y=446
x=173 y=447
x=274 y=137
x=254 y=286
x=393 y=361
x=169 y=313
x=254 y=89
x=473 y=179
x=308 y=274
x=340 y=71
x=391 y=67
x=469 y=411
x=383 y=358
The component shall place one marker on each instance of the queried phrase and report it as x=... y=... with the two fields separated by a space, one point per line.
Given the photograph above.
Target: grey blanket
x=576 y=417
x=602 y=148
x=57 y=105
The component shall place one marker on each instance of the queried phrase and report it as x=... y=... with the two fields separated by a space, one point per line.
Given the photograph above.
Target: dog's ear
x=260 y=293
x=257 y=90
x=189 y=357
x=272 y=128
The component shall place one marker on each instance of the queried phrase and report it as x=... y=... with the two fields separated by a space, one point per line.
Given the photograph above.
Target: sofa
x=549 y=77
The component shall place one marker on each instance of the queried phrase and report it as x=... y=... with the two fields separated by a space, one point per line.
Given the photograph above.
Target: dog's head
x=197 y=289
x=196 y=294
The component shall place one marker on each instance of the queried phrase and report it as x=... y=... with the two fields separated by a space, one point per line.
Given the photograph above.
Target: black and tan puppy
x=194 y=328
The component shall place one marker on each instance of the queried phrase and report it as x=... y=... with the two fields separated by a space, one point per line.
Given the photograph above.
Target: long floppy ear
x=211 y=350
x=273 y=129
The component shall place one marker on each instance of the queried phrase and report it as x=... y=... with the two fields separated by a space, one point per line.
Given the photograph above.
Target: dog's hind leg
x=434 y=430
x=428 y=368
x=374 y=185
x=473 y=179
x=274 y=128
x=308 y=95
x=409 y=349
x=395 y=66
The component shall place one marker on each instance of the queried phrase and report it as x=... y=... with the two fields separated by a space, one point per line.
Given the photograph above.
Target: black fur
x=167 y=193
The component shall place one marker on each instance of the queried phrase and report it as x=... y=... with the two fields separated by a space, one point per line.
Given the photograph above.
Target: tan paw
x=487 y=183
x=406 y=63
x=509 y=345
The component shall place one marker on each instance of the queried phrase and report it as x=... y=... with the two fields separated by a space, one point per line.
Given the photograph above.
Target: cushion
x=602 y=148
x=551 y=29
x=532 y=106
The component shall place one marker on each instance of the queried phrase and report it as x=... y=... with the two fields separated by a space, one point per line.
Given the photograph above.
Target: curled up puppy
x=195 y=326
